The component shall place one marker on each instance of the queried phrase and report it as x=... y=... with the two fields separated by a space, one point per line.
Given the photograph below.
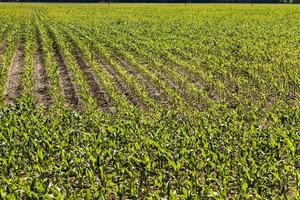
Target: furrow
x=65 y=79
x=41 y=87
x=125 y=90
x=14 y=82
x=154 y=92
x=96 y=88
x=3 y=46
x=190 y=74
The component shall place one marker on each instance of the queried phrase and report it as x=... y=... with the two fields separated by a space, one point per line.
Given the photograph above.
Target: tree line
x=160 y=1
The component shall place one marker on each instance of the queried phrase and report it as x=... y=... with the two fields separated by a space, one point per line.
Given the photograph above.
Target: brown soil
x=154 y=92
x=125 y=90
x=41 y=87
x=162 y=76
x=96 y=88
x=14 y=81
x=170 y=82
x=178 y=85
x=65 y=78
x=189 y=74
x=2 y=47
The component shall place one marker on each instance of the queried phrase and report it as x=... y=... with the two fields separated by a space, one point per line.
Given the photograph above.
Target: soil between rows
x=14 y=86
x=41 y=87
x=97 y=90
x=65 y=77
x=123 y=87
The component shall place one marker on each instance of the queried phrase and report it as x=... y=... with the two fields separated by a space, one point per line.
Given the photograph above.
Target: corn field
x=149 y=101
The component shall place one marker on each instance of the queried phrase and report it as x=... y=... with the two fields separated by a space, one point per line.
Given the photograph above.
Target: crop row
x=149 y=101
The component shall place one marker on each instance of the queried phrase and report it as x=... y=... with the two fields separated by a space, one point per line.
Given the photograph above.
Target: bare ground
x=97 y=90
x=65 y=78
x=3 y=46
x=14 y=81
x=41 y=87
x=123 y=87
x=162 y=75
x=154 y=92
x=191 y=75
x=178 y=85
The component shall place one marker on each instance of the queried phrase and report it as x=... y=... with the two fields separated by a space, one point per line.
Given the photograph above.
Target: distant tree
x=164 y=1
